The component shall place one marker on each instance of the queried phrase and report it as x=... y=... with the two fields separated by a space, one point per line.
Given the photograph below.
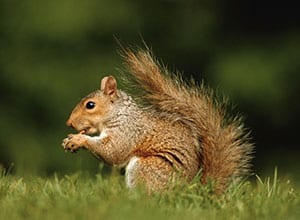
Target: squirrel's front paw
x=73 y=142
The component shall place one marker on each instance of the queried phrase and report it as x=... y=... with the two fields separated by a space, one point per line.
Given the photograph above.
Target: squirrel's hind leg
x=152 y=172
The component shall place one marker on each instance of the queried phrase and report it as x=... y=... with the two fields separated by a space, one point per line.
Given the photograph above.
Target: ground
x=82 y=196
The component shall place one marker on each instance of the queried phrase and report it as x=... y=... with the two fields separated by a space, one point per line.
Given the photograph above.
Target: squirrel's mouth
x=88 y=130
x=82 y=131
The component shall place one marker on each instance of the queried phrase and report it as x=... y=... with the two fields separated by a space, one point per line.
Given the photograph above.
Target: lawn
x=82 y=196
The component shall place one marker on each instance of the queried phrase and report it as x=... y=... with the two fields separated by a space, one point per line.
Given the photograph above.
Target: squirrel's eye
x=90 y=105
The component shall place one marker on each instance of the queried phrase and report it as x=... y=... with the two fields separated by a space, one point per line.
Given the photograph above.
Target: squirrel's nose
x=69 y=123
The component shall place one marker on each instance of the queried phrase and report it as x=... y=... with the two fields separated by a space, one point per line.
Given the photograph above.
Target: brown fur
x=185 y=129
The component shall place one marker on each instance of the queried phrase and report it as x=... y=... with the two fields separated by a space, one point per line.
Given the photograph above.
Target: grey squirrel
x=183 y=130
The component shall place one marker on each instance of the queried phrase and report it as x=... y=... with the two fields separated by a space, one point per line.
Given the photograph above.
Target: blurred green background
x=52 y=53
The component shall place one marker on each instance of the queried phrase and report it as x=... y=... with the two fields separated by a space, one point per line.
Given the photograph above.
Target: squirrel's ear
x=109 y=85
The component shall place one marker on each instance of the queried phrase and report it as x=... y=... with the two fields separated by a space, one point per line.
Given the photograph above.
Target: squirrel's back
x=224 y=148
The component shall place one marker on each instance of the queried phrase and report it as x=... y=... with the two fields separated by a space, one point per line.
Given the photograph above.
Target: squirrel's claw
x=73 y=142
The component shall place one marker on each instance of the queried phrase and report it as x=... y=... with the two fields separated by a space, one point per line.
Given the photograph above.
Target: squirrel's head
x=92 y=111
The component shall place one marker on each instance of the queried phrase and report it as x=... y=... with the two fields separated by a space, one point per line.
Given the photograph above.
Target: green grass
x=81 y=196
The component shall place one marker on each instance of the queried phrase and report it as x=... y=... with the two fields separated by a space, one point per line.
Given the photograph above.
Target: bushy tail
x=226 y=151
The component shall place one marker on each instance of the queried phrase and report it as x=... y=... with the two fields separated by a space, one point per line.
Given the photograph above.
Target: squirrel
x=183 y=129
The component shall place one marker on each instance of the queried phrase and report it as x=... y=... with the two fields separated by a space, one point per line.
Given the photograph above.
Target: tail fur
x=225 y=148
